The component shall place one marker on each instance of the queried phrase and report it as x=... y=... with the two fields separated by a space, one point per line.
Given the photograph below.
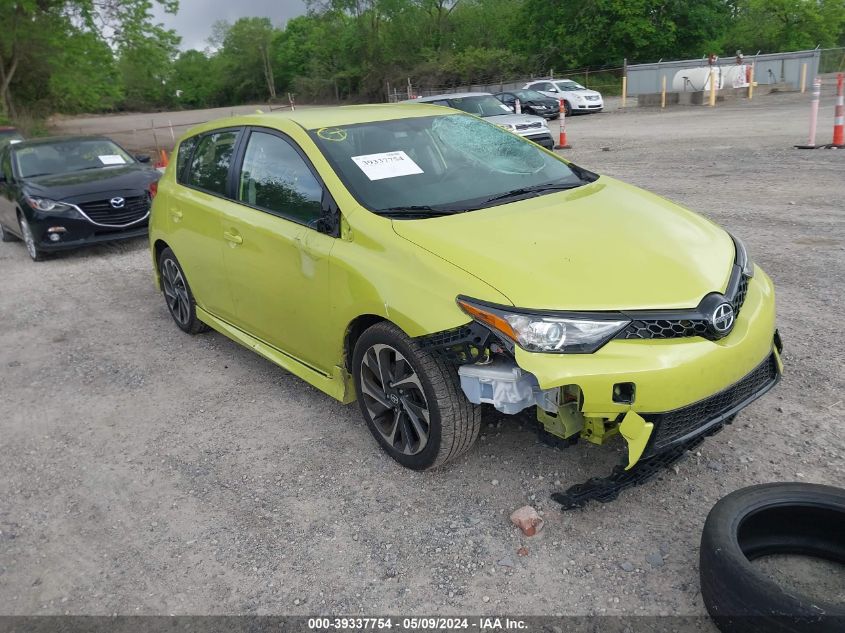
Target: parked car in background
x=488 y=107
x=423 y=262
x=531 y=102
x=9 y=135
x=61 y=193
x=576 y=98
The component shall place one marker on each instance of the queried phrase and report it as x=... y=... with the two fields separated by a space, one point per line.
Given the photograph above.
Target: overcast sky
x=195 y=17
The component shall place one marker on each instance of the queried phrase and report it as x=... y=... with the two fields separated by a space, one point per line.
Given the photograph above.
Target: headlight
x=546 y=332
x=43 y=204
x=742 y=258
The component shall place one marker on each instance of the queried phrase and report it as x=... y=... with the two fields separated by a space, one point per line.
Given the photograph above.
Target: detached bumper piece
x=675 y=433
x=605 y=489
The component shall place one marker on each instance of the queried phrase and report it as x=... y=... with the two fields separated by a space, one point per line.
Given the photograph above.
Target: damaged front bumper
x=657 y=394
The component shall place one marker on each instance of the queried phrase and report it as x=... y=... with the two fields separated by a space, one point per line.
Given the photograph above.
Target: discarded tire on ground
x=782 y=518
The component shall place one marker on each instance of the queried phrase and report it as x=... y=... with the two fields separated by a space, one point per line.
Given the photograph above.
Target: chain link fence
x=607 y=80
x=832 y=60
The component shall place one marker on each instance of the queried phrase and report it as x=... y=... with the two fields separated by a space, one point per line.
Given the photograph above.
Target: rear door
x=194 y=210
x=8 y=217
x=276 y=256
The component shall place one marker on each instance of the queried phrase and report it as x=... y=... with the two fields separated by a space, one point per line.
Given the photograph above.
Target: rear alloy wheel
x=411 y=400
x=178 y=295
x=29 y=240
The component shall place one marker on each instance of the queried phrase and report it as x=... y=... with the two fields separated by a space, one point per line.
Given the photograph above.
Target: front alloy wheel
x=411 y=399
x=395 y=400
x=29 y=240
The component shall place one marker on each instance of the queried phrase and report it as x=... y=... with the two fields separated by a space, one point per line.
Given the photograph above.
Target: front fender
x=377 y=272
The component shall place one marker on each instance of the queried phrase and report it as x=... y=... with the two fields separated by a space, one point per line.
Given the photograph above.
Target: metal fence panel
x=770 y=68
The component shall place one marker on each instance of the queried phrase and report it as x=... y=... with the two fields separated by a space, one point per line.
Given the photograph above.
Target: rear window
x=209 y=168
x=186 y=147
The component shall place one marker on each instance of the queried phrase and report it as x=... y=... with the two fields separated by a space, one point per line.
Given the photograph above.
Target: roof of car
x=52 y=140
x=316 y=118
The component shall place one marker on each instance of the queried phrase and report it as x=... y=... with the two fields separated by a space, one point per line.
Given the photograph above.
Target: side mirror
x=142 y=158
x=553 y=89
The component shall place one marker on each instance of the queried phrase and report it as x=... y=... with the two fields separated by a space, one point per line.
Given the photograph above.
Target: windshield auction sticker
x=387 y=165
x=112 y=159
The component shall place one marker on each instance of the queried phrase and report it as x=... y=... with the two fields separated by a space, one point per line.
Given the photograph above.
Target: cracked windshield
x=438 y=165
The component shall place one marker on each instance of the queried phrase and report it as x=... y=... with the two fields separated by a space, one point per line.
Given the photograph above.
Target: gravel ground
x=143 y=471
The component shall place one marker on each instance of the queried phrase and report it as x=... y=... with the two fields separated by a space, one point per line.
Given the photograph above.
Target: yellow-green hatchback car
x=426 y=262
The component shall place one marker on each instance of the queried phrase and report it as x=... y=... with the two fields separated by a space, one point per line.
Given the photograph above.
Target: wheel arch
x=354 y=330
x=158 y=248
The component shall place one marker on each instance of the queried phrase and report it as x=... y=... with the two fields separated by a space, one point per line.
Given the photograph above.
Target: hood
x=515 y=119
x=92 y=181
x=603 y=246
x=584 y=93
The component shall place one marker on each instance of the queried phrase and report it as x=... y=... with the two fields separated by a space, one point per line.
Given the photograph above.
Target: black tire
x=5 y=236
x=177 y=294
x=35 y=253
x=453 y=421
x=781 y=518
x=567 y=109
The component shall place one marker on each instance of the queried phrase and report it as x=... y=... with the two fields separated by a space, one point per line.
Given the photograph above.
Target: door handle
x=234 y=238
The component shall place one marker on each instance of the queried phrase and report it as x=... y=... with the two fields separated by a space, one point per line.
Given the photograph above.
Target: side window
x=276 y=179
x=543 y=85
x=440 y=102
x=185 y=148
x=508 y=98
x=210 y=164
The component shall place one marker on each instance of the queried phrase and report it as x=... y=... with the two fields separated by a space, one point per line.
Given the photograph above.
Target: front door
x=276 y=260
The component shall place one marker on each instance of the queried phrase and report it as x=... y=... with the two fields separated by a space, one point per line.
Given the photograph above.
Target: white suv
x=576 y=98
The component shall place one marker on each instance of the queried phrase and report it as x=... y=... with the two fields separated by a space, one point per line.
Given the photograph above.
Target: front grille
x=102 y=212
x=665 y=328
x=739 y=297
x=528 y=126
x=675 y=325
x=681 y=423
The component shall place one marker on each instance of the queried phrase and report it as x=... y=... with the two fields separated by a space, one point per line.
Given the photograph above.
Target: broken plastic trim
x=605 y=489
x=465 y=344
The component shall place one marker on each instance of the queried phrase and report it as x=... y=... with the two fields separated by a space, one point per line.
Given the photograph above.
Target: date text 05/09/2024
x=416 y=624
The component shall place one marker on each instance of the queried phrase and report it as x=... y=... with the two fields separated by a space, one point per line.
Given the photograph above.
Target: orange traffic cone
x=839 y=115
x=164 y=160
x=562 y=144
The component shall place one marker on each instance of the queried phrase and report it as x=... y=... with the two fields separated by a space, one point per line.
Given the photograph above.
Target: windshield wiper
x=415 y=211
x=523 y=191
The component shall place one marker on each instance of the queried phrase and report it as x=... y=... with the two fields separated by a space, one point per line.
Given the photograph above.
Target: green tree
x=84 y=78
x=37 y=32
x=245 y=50
x=196 y=79
x=602 y=32
x=777 y=25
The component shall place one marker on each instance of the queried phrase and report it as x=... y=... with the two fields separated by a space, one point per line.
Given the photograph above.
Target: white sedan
x=576 y=98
